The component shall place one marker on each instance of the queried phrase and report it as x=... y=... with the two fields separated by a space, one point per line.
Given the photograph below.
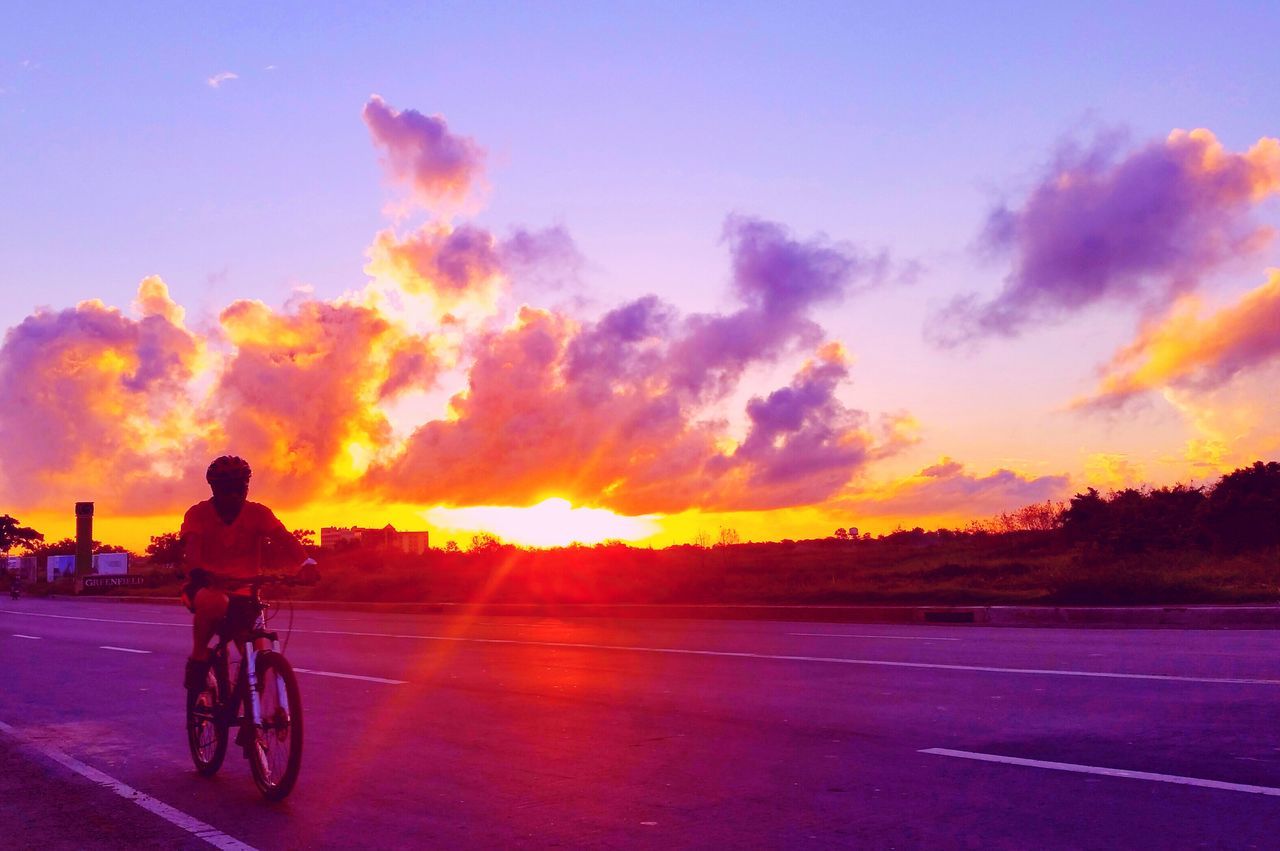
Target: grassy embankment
x=1019 y=568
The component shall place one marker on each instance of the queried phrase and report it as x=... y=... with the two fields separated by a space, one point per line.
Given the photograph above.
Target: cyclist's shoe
x=196 y=675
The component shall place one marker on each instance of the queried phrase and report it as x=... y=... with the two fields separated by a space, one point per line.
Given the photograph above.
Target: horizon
x=767 y=283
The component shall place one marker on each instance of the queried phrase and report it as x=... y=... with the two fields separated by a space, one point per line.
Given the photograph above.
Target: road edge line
x=176 y=817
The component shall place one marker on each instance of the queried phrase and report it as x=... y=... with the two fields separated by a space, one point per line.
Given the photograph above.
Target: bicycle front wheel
x=276 y=755
x=206 y=728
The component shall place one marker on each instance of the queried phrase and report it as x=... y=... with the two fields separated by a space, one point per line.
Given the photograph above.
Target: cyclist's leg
x=210 y=608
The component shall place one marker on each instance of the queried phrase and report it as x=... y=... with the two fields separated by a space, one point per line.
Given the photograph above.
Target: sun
x=553 y=522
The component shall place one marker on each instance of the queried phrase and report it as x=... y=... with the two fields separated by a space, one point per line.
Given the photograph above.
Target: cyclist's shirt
x=241 y=548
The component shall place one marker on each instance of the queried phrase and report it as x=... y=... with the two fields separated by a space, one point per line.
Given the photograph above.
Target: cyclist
x=225 y=539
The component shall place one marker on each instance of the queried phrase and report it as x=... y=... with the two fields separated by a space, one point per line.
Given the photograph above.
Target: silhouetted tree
x=1037 y=517
x=1243 y=510
x=484 y=543
x=12 y=533
x=1085 y=517
x=165 y=549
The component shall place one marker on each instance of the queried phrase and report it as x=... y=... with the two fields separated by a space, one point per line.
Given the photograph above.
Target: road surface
x=430 y=731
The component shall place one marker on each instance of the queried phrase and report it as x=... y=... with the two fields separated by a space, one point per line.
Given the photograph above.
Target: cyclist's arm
x=294 y=551
x=190 y=554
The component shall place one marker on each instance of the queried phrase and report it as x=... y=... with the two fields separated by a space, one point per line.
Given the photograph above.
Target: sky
x=642 y=271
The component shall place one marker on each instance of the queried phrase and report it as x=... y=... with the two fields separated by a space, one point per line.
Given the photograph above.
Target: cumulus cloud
x=946 y=489
x=92 y=401
x=1113 y=471
x=614 y=412
x=626 y=410
x=803 y=444
x=779 y=279
x=1233 y=423
x=96 y=402
x=419 y=152
x=1145 y=226
x=450 y=266
x=466 y=268
x=1186 y=349
x=153 y=300
x=546 y=259
x=300 y=392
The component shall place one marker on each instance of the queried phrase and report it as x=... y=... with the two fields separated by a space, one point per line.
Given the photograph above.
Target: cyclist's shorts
x=242 y=612
x=197 y=578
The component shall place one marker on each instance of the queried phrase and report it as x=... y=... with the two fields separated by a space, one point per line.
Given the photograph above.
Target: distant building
x=386 y=538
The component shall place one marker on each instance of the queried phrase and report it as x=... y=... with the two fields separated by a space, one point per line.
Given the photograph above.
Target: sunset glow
x=554 y=522
x=791 y=305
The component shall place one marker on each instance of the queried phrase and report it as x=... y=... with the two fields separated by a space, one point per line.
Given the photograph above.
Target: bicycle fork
x=255 y=699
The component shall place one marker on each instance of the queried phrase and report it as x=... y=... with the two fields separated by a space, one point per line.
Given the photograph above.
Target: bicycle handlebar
x=265 y=579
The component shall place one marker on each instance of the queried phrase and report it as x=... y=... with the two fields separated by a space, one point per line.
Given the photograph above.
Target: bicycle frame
x=247 y=676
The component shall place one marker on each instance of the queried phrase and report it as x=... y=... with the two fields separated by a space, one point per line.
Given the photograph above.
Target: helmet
x=228 y=468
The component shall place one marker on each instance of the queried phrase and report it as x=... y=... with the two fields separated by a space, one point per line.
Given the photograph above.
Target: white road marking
x=1107 y=772
x=834 y=660
x=20 y=635
x=872 y=635
x=351 y=677
x=95 y=620
x=176 y=817
x=121 y=649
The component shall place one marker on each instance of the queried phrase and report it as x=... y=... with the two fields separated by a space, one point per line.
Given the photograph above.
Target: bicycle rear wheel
x=206 y=728
x=276 y=756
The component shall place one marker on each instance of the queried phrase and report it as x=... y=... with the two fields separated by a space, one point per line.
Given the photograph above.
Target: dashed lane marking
x=174 y=816
x=1107 y=772
x=32 y=637
x=121 y=649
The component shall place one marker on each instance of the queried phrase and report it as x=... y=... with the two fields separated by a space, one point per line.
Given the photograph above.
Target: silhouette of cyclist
x=225 y=539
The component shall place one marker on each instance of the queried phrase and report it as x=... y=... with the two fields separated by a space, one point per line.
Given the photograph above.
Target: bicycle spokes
x=273 y=740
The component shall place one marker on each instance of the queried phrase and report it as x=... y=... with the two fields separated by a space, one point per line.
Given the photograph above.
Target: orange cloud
x=1186 y=349
x=625 y=411
x=450 y=265
x=300 y=393
x=947 y=493
x=616 y=412
x=1112 y=471
x=95 y=402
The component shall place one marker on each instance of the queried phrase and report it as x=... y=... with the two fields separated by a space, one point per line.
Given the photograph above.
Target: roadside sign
x=96 y=582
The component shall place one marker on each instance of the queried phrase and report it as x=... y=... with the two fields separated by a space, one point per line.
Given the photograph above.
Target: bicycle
x=265 y=703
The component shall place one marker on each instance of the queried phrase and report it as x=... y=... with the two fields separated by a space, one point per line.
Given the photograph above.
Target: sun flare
x=553 y=522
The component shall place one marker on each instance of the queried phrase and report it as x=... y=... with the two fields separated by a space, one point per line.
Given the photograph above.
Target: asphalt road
x=507 y=732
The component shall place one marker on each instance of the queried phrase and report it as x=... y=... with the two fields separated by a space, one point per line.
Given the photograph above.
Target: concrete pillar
x=84 y=538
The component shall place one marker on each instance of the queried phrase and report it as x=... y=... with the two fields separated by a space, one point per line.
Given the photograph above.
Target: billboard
x=111 y=564
x=59 y=566
x=23 y=567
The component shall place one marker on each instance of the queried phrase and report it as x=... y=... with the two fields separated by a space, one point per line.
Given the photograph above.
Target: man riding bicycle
x=225 y=541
